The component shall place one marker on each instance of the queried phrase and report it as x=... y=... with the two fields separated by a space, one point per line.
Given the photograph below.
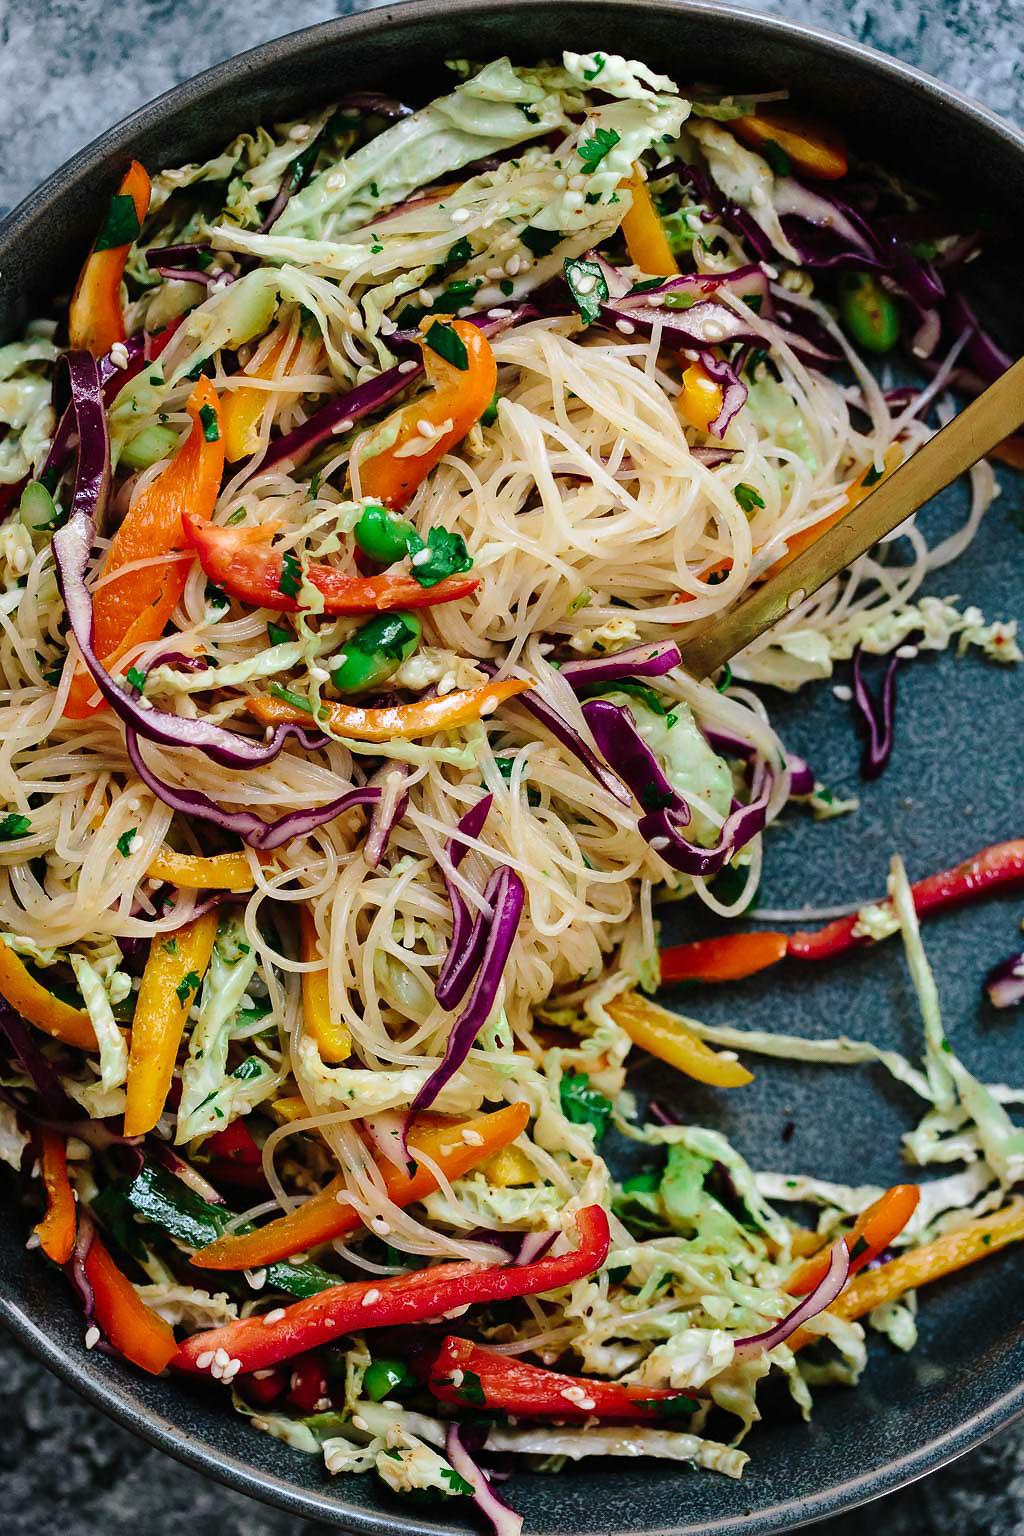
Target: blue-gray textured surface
x=67 y=71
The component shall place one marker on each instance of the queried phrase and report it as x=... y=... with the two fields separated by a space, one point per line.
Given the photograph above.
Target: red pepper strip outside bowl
x=425 y=1294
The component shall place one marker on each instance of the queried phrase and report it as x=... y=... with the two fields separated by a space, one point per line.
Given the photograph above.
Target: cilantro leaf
x=456 y=1483
x=599 y=62
x=469 y=1389
x=249 y=1069
x=528 y=112
x=540 y=241
x=583 y=1105
x=215 y=596
x=121 y=226
x=290 y=579
x=588 y=287
x=873 y=475
x=277 y=634
x=135 y=679
x=592 y=151
x=444 y=553
x=447 y=343
x=188 y=984
x=208 y=422
x=490 y=414
x=14 y=825
x=461 y=251
x=747 y=497
x=124 y=842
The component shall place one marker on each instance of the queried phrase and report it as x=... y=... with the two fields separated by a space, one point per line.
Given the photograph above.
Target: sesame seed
x=458 y=1377
x=421 y=557
x=273 y=1317
x=34 y=1240
x=345 y=425
x=795 y=599
x=257 y=1278
x=624 y=327
x=119 y=355
x=494 y=273
x=842 y=693
x=714 y=330
x=655 y=301
x=380 y=1226
x=586 y=284
x=472 y=1138
x=319 y=674
x=425 y=428
x=512 y=265
x=488 y=706
x=92 y=1337
x=500 y=314
x=409 y=366
x=426 y=299
x=906 y=652
x=460 y=215
x=372 y=1295
x=263 y=1375
x=221 y=1356
x=298 y=131
x=387 y=327
x=358 y=1422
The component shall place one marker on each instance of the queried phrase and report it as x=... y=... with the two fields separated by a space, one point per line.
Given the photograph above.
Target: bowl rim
x=83 y=1372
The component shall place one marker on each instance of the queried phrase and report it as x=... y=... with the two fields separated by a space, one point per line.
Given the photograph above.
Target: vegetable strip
x=170 y=986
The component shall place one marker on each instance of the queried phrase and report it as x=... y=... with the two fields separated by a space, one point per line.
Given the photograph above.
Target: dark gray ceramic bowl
x=953 y=786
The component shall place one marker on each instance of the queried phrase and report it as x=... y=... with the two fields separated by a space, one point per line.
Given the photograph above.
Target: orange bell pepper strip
x=241 y=561
x=919 y=1266
x=242 y=409
x=870 y=1235
x=321 y=1219
x=59 y=1226
x=812 y=147
x=55 y=1018
x=410 y=721
x=95 y=318
x=457 y=400
x=644 y=232
x=861 y=487
x=333 y=1040
x=174 y=971
x=135 y=608
x=189 y=872
x=665 y=1035
x=700 y=400
x=135 y=1330
x=260 y=1341
x=728 y=958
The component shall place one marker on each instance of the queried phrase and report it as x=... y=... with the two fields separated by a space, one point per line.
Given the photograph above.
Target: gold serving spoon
x=976 y=431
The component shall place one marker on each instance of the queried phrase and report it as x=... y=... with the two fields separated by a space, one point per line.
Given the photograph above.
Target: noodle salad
x=346 y=751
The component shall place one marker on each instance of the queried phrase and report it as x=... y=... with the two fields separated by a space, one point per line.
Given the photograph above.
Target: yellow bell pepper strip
x=870 y=1235
x=135 y=608
x=321 y=1218
x=55 y=1018
x=333 y=1040
x=242 y=562
x=700 y=401
x=291 y=1107
x=728 y=958
x=644 y=232
x=508 y=1168
x=135 y=1330
x=174 y=971
x=811 y=147
x=460 y=367
x=242 y=409
x=189 y=872
x=256 y=1342
x=918 y=1266
x=95 y=319
x=665 y=1035
x=408 y=721
x=59 y=1226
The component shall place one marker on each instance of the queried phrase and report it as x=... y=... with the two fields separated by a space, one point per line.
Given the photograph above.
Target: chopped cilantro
x=238 y=515
x=456 y=1482
x=592 y=151
x=290 y=579
x=592 y=197
x=599 y=62
x=986 y=1239
x=587 y=286
x=170 y=946
x=447 y=343
x=124 y=842
x=747 y=497
x=277 y=634
x=528 y=112
x=121 y=225
x=507 y=287
x=135 y=679
x=215 y=596
x=860 y=1247
x=204 y=365
x=14 y=825
x=188 y=984
x=373 y=189
x=208 y=422
x=583 y=1105
x=540 y=241
x=461 y=251
x=249 y=1069
x=490 y=413
x=873 y=475
x=777 y=158
x=446 y=552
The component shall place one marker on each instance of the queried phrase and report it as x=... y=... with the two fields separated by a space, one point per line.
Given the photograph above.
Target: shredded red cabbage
x=823 y=1295
x=663 y=830
x=45 y=1080
x=1005 y=982
x=651 y=659
x=504 y=1520
x=507 y=895
x=621 y=744
x=878 y=719
x=387 y=812
x=468 y=937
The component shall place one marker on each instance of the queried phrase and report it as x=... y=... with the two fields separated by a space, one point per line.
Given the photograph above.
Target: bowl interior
x=951 y=788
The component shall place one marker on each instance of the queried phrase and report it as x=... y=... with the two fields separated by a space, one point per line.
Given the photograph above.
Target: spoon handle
x=968 y=437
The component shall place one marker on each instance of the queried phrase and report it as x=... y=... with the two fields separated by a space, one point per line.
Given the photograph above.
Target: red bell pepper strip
x=264 y=1386
x=412 y=1298
x=242 y=563
x=463 y=1371
x=870 y=1235
x=95 y=318
x=135 y=1330
x=307 y=1386
x=741 y=954
x=235 y=1144
x=58 y=1227
x=1002 y=864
